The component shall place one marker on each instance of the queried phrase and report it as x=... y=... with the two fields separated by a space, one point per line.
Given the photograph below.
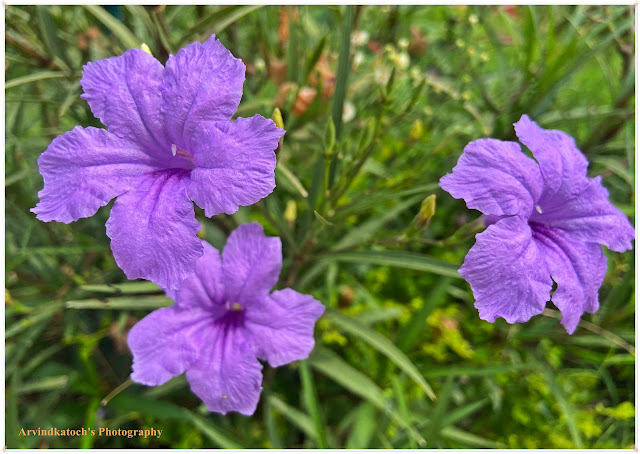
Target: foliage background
x=400 y=322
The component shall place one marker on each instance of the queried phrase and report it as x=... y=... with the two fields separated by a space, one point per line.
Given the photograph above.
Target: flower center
x=233 y=317
x=177 y=151
x=234 y=307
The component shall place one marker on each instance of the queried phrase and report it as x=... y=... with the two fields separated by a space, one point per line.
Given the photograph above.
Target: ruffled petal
x=507 y=272
x=165 y=343
x=153 y=231
x=251 y=263
x=227 y=376
x=202 y=83
x=563 y=166
x=496 y=178
x=577 y=267
x=84 y=169
x=282 y=326
x=589 y=216
x=204 y=288
x=235 y=164
x=124 y=93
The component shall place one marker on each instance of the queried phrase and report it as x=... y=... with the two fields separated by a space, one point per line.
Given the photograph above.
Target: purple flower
x=170 y=142
x=547 y=222
x=224 y=318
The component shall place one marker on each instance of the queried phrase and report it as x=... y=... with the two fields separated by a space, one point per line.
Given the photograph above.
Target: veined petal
x=164 y=345
x=202 y=83
x=251 y=263
x=227 y=376
x=235 y=164
x=204 y=288
x=577 y=267
x=124 y=93
x=589 y=216
x=282 y=326
x=496 y=178
x=563 y=166
x=153 y=231
x=84 y=169
x=507 y=272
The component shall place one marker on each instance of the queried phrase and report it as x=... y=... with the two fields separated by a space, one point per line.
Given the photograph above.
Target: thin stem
x=116 y=391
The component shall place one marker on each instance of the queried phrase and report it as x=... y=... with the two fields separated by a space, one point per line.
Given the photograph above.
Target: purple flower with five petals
x=223 y=320
x=546 y=219
x=169 y=142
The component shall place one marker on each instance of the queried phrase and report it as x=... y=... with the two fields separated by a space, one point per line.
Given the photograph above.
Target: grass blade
x=126 y=37
x=311 y=401
x=295 y=416
x=124 y=303
x=399 y=259
x=331 y=365
x=365 y=231
x=384 y=346
x=127 y=288
x=219 y=20
x=409 y=335
x=40 y=75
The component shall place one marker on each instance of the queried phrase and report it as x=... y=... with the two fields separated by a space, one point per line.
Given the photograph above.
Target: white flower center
x=538 y=209
x=174 y=149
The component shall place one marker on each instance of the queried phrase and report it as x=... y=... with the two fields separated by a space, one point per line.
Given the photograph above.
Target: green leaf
x=44 y=384
x=50 y=34
x=383 y=345
x=44 y=312
x=469 y=439
x=483 y=371
x=344 y=67
x=399 y=259
x=565 y=406
x=127 y=288
x=212 y=432
x=366 y=230
x=364 y=426
x=158 y=409
x=219 y=20
x=457 y=414
x=359 y=384
x=311 y=401
x=12 y=420
x=124 y=303
x=282 y=170
x=409 y=335
x=299 y=419
x=35 y=77
x=432 y=431
x=126 y=37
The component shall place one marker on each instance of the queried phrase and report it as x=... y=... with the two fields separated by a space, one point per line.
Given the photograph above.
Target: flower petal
x=496 y=178
x=227 y=376
x=577 y=267
x=282 y=326
x=202 y=83
x=84 y=169
x=164 y=345
x=204 y=288
x=153 y=231
x=563 y=166
x=589 y=216
x=124 y=93
x=507 y=272
x=251 y=263
x=235 y=164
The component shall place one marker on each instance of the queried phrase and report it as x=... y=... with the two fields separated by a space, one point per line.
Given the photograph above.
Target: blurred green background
x=378 y=103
